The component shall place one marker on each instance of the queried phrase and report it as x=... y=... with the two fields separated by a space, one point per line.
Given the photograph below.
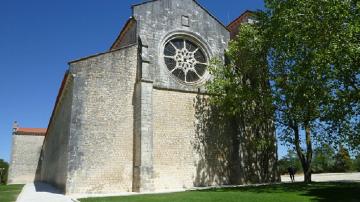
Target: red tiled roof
x=61 y=90
x=240 y=19
x=233 y=27
x=31 y=131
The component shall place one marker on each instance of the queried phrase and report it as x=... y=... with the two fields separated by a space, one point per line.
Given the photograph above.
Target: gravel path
x=40 y=192
x=326 y=177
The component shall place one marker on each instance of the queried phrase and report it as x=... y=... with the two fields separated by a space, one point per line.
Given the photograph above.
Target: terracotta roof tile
x=233 y=27
x=31 y=131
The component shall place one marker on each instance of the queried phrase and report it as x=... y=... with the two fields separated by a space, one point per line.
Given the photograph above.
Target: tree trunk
x=305 y=160
x=307 y=175
x=307 y=172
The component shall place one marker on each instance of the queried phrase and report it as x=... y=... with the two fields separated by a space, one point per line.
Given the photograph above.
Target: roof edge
x=213 y=16
x=123 y=31
x=244 y=13
x=145 y=2
x=31 y=131
x=63 y=84
x=98 y=54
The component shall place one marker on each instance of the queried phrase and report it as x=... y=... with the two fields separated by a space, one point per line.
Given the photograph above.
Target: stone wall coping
x=99 y=54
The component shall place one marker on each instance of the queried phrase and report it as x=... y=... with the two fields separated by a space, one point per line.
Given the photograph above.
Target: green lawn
x=9 y=193
x=278 y=193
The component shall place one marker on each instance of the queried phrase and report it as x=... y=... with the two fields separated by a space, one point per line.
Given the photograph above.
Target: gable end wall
x=24 y=158
x=101 y=140
x=158 y=20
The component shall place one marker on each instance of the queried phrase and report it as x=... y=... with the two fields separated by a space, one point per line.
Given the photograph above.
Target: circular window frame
x=195 y=40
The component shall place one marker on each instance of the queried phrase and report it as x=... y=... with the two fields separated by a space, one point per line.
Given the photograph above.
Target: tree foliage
x=357 y=163
x=343 y=161
x=241 y=84
x=301 y=61
x=313 y=62
x=242 y=93
x=323 y=160
x=289 y=160
x=4 y=173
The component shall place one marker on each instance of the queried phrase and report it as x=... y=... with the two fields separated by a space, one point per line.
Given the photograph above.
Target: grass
x=9 y=193
x=297 y=192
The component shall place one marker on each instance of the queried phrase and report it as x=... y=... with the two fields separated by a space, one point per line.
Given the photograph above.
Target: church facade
x=136 y=118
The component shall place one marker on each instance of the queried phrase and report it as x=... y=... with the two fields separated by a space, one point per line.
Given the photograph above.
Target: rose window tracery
x=185 y=60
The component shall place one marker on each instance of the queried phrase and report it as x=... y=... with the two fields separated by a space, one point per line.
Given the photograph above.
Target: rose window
x=185 y=60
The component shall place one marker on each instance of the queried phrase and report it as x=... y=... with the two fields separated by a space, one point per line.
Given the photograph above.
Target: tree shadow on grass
x=322 y=192
x=336 y=192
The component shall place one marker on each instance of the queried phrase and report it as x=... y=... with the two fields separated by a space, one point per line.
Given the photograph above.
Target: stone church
x=136 y=118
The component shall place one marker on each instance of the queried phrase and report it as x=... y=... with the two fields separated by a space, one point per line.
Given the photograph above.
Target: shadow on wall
x=232 y=150
x=213 y=145
x=38 y=168
x=43 y=187
x=40 y=184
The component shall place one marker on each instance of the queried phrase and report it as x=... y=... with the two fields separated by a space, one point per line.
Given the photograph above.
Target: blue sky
x=39 y=37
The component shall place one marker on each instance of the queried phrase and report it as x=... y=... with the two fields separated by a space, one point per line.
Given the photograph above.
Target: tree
x=241 y=85
x=241 y=91
x=357 y=163
x=290 y=159
x=301 y=63
x=343 y=161
x=323 y=159
x=313 y=62
x=3 y=177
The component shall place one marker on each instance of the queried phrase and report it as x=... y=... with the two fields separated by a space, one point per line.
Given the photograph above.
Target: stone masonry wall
x=184 y=156
x=24 y=159
x=54 y=159
x=102 y=124
x=158 y=20
x=165 y=157
x=174 y=132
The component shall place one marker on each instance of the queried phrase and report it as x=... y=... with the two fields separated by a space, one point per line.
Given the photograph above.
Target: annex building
x=136 y=118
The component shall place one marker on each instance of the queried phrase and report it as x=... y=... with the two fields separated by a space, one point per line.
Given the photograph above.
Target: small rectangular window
x=185 y=21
